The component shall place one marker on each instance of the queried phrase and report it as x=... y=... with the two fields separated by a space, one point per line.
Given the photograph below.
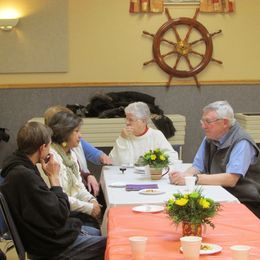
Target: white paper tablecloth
x=118 y=196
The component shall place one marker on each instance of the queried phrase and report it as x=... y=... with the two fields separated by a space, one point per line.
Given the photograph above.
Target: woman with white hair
x=136 y=137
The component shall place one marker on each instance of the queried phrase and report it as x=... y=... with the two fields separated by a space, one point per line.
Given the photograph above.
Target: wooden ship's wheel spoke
x=163 y=40
x=177 y=61
x=182 y=47
x=201 y=55
x=164 y=55
x=191 y=26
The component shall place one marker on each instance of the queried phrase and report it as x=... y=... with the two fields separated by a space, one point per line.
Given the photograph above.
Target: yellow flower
x=153 y=157
x=162 y=158
x=204 y=203
x=181 y=201
x=192 y=207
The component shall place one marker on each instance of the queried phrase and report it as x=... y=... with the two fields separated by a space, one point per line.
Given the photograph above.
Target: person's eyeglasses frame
x=209 y=122
x=133 y=120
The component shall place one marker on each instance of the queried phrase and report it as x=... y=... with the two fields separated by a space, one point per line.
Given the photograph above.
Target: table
x=119 y=196
x=235 y=224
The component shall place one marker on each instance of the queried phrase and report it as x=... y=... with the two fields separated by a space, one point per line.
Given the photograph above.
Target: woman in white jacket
x=66 y=136
x=136 y=137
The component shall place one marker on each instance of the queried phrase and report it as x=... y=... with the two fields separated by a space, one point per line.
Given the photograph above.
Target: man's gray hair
x=139 y=109
x=223 y=110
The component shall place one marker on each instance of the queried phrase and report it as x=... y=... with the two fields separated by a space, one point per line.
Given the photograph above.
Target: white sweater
x=79 y=197
x=127 y=151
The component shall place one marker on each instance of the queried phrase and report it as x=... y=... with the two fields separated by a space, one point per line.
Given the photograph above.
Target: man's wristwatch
x=197 y=178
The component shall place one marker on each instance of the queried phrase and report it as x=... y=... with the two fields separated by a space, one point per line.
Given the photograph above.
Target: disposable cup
x=138 y=246
x=191 y=247
x=190 y=183
x=240 y=252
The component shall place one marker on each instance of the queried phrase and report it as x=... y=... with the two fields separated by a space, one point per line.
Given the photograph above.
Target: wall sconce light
x=7 y=24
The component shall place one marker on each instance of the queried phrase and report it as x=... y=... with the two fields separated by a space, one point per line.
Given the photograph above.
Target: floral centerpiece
x=193 y=210
x=155 y=158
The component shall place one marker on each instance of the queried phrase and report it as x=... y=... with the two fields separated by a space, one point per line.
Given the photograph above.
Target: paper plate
x=151 y=191
x=208 y=249
x=148 y=208
x=117 y=184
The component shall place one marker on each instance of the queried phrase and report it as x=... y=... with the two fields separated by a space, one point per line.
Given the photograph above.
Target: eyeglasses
x=208 y=122
x=131 y=120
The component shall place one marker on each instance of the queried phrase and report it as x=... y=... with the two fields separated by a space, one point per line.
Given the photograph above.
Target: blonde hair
x=51 y=111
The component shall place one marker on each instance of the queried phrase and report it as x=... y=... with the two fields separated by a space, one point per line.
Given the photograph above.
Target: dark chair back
x=12 y=228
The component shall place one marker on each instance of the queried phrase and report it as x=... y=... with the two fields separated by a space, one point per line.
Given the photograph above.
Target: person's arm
x=88 y=179
x=51 y=170
x=121 y=152
x=222 y=179
x=81 y=200
x=177 y=177
x=198 y=161
x=50 y=205
x=84 y=202
x=91 y=183
x=105 y=159
x=91 y=153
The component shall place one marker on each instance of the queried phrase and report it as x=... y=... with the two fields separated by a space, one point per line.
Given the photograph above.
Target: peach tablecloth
x=235 y=224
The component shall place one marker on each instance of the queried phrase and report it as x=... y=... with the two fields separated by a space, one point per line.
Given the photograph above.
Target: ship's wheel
x=182 y=47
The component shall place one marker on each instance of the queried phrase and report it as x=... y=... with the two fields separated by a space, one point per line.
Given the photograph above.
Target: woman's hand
x=96 y=211
x=127 y=132
x=93 y=185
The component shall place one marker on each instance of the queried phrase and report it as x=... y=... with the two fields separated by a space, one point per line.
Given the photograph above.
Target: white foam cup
x=240 y=252
x=138 y=246
x=190 y=183
x=191 y=247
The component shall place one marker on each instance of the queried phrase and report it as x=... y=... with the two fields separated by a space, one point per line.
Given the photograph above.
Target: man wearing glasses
x=227 y=156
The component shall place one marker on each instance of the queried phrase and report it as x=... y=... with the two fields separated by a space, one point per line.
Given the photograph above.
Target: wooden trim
x=127 y=84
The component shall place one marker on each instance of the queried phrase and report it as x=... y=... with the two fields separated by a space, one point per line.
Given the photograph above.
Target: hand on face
x=50 y=167
x=127 y=132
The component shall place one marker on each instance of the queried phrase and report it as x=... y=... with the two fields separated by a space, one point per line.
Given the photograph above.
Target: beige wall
x=106 y=45
x=40 y=41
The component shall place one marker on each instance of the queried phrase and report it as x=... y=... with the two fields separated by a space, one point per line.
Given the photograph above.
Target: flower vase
x=191 y=229
x=155 y=173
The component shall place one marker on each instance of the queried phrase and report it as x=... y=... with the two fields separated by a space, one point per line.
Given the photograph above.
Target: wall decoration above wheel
x=182 y=47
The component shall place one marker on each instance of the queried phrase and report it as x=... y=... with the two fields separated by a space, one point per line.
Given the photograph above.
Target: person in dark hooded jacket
x=42 y=214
